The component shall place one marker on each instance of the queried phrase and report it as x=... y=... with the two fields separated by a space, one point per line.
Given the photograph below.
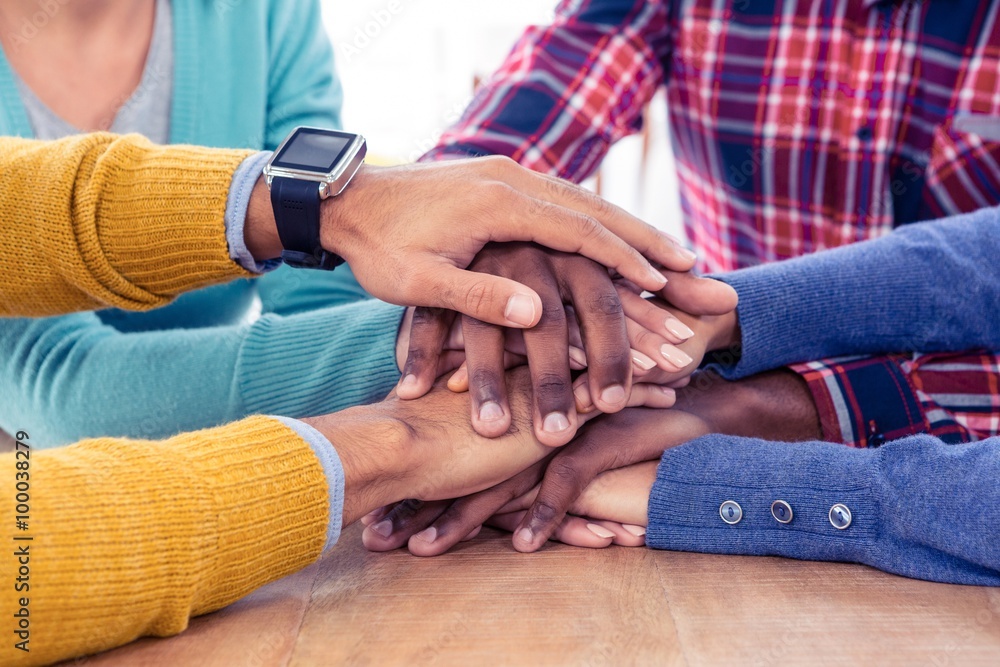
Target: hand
x=431 y=529
x=419 y=449
x=616 y=501
x=396 y=449
x=409 y=232
x=559 y=279
x=775 y=405
x=709 y=333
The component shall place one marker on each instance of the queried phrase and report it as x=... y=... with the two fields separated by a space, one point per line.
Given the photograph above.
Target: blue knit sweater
x=245 y=74
x=919 y=507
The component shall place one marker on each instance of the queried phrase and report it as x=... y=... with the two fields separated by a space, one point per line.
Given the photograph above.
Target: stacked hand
x=588 y=321
x=605 y=474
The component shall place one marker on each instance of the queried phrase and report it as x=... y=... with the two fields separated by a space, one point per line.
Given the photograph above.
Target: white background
x=409 y=75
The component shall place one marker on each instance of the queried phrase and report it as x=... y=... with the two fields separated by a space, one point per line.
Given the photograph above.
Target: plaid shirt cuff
x=864 y=401
x=868 y=401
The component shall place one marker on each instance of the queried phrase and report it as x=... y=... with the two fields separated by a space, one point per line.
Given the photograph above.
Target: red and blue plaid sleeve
x=868 y=401
x=569 y=90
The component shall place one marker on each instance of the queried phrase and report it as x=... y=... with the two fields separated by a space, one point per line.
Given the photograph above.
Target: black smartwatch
x=310 y=165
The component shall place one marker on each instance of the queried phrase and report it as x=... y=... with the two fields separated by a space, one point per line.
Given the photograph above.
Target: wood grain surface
x=485 y=604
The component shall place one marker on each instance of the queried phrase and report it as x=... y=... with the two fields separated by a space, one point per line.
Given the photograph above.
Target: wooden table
x=485 y=604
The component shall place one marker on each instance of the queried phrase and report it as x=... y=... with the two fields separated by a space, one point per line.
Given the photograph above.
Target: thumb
x=487 y=298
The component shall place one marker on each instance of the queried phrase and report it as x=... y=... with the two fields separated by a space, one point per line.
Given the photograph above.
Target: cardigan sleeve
x=129 y=539
x=916 y=507
x=928 y=287
x=153 y=384
x=99 y=220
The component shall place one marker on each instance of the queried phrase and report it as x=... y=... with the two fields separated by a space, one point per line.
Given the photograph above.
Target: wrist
x=724 y=333
x=370 y=447
x=338 y=226
x=260 y=233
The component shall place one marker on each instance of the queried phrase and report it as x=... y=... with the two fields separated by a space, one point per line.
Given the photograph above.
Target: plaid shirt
x=796 y=125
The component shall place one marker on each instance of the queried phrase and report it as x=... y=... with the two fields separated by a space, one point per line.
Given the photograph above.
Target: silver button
x=781 y=511
x=731 y=512
x=840 y=516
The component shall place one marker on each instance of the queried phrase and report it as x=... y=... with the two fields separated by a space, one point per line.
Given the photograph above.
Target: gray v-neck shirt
x=147 y=111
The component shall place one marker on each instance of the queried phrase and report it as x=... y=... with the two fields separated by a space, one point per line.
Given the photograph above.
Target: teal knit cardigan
x=245 y=74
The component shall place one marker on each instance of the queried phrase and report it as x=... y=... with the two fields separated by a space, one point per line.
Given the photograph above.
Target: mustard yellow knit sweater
x=109 y=540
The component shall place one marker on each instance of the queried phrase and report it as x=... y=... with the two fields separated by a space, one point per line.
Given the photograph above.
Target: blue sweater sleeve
x=933 y=286
x=919 y=508
x=73 y=377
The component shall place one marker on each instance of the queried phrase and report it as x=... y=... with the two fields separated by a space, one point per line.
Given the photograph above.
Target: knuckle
x=551 y=386
x=543 y=513
x=644 y=339
x=427 y=316
x=608 y=305
x=485 y=382
x=408 y=508
x=588 y=227
x=493 y=194
x=499 y=164
x=553 y=312
x=480 y=295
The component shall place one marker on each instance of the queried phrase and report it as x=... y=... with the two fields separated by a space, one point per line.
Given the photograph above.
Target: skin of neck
x=84 y=58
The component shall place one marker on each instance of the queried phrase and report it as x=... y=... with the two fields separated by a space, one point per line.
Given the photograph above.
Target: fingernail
x=409 y=382
x=525 y=535
x=430 y=534
x=579 y=356
x=675 y=355
x=600 y=531
x=490 y=411
x=520 y=310
x=613 y=395
x=660 y=279
x=686 y=254
x=383 y=528
x=638 y=531
x=678 y=328
x=642 y=361
x=555 y=423
x=582 y=395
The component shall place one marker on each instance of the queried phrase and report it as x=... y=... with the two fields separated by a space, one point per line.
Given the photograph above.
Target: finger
x=605 y=337
x=402 y=521
x=568 y=230
x=547 y=345
x=573 y=531
x=643 y=395
x=484 y=353
x=573 y=468
x=428 y=331
x=459 y=381
x=466 y=514
x=484 y=297
x=647 y=239
x=652 y=317
x=699 y=296
x=666 y=355
x=631 y=231
x=374 y=516
x=625 y=536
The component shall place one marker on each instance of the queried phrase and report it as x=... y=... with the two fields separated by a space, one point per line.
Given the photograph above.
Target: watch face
x=313 y=150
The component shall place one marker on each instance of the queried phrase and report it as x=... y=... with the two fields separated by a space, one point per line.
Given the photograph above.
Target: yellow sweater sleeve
x=131 y=538
x=100 y=220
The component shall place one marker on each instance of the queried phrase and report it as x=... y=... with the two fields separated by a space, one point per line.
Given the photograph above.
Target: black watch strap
x=296 y=213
